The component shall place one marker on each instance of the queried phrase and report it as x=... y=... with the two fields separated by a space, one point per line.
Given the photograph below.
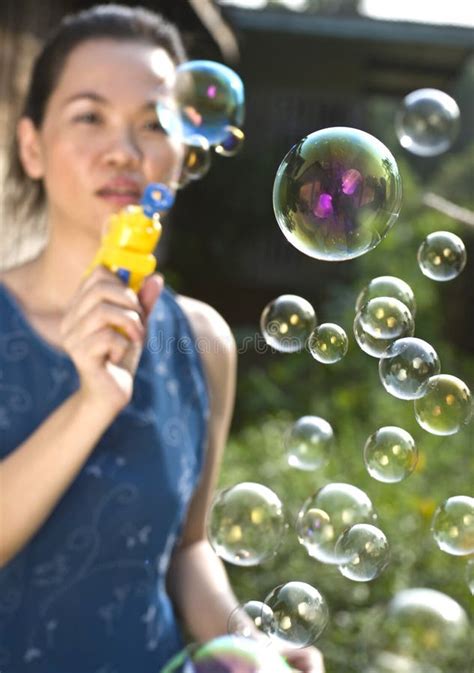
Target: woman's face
x=100 y=142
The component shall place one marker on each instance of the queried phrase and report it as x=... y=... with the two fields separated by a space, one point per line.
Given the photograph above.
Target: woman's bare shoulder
x=216 y=345
x=206 y=321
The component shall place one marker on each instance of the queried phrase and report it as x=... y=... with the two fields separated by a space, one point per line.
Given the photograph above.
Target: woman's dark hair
x=117 y=22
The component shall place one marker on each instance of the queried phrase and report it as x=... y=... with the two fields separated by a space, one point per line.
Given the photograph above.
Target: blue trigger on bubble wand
x=132 y=235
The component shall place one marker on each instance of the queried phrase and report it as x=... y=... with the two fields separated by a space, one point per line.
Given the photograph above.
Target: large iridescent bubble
x=208 y=98
x=337 y=193
x=427 y=122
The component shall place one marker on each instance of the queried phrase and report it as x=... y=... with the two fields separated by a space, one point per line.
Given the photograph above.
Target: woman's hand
x=107 y=359
x=306 y=660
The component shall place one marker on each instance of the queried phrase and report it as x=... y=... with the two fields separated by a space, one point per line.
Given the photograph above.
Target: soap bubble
x=325 y=516
x=246 y=524
x=287 y=322
x=387 y=286
x=425 y=624
x=337 y=193
x=453 y=525
x=470 y=575
x=427 y=122
x=374 y=347
x=300 y=614
x=309 y=443
x=196 y=161
x=208 y=98
x=232 y=143
x=406 y=367
x=390 y=454
x=446 y=405
x=442 y=256
x=363 y=552
x=239 y=655
x=328 y=343
x=252 y=612
x=385 y=318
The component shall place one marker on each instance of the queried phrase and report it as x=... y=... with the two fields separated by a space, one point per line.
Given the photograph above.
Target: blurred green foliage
x=274 y=390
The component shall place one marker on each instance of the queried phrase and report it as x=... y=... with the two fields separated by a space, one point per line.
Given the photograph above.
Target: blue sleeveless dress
x=87 y=594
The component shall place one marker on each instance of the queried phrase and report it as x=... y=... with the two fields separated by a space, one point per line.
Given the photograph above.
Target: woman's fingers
x=150 y=291
x=101 y=286
x=102 y=314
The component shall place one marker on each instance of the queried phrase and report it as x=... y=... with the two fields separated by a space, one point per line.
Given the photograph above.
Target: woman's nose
x=123 y=150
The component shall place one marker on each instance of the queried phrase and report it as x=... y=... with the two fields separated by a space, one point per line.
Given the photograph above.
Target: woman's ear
x=29 y=148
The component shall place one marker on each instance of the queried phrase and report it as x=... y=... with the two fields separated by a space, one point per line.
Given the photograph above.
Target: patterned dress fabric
x=87 y=594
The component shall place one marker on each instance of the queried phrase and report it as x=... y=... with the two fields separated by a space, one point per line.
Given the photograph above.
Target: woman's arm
x=37 y=473
x=197 y=580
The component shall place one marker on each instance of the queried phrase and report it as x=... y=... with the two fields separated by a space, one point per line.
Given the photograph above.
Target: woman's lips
x=119 y=197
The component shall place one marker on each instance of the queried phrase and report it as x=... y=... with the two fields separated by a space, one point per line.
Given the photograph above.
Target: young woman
x=110 y=442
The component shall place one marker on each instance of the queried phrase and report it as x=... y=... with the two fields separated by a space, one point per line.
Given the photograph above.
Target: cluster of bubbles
x=382 y=316
x=409 y=367
x=206 y=111
x=245 y=527
x=289 y=324
x=336 y=526
x=336 y=195
x=293 y=614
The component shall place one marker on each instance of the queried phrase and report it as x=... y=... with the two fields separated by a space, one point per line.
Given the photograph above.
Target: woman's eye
x=88 y=118
x=154 y=125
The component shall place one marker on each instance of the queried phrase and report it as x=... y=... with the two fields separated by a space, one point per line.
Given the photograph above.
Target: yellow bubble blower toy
x=131 y=237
